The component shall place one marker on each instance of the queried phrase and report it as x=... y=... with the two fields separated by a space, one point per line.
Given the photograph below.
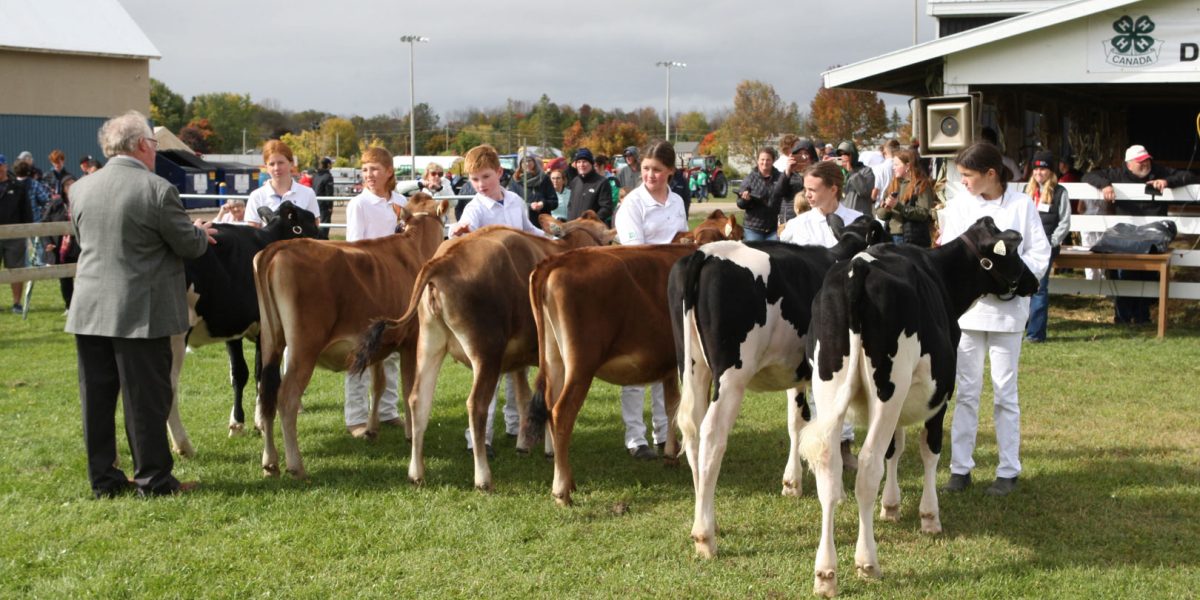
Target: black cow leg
x=931 y=450
x=238 y=376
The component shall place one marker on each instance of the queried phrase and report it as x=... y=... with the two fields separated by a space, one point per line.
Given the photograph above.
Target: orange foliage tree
x=612 y=137
x=839 y=114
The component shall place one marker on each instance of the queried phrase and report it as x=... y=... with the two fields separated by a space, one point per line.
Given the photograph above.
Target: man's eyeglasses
x=152 y=141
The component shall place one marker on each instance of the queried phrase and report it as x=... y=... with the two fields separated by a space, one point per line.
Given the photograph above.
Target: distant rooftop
x=93 y=27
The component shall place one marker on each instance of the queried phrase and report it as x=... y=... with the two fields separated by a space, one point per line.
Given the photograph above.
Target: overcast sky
x=346 y=57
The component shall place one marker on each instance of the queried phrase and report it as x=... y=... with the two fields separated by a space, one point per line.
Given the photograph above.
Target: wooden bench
x=1071 y=258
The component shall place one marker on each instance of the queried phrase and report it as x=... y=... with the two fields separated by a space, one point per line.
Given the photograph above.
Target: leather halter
x=988 y=266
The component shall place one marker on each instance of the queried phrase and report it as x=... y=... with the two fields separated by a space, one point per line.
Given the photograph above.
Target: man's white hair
x=120 y=134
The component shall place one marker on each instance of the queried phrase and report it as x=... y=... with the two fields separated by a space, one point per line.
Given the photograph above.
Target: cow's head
x=420 y=203
x=857 y=236
x=591 y=224
x=715 y=228
x=290 y=221
x=997 y=252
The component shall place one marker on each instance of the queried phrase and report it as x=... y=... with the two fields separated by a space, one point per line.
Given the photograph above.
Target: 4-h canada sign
x=1133 y=46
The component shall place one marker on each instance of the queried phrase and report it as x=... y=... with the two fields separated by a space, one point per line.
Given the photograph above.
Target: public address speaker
x=946 y=124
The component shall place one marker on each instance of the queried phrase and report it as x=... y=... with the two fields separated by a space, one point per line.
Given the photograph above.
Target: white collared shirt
x=368 y=216
x=1015 y=211
x=642 y=220
x=300 y=195
x=511 y=212
x=811 y=228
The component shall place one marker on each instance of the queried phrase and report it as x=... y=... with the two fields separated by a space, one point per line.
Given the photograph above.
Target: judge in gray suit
x=129 y=299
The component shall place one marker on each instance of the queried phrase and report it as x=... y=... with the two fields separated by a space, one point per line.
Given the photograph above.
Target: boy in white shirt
x=492 y=205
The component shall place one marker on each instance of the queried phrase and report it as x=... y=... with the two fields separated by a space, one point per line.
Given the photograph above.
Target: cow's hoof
x=825 y=584
x=417 y=481
x=889 y=513
x=185 y=450
x=563 y=500
x=270 y=470
x=297 y=474
x=705 y=547
x=930 y=523
x=372 y=434
x=868 y=571
x=236 y=429
x=484 y=487
x=523 y=451
x=670 y=462
x=792 y=489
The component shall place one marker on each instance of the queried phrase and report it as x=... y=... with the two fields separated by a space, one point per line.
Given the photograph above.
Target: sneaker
x=849 y=460
x=357 y=431
x=1003 y=486
x=643 y=452
x=957 y=482
x=18 y=309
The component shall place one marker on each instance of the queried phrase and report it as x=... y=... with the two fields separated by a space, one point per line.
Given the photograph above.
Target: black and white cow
x=740 y=313
x=883 y=345
x=224 y=304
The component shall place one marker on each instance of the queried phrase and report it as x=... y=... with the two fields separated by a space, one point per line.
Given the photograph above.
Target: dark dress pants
x=139 y=370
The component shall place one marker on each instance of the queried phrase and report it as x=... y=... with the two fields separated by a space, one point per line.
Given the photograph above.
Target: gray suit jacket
x=134 y=235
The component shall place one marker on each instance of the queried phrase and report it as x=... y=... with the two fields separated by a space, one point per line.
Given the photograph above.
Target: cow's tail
x=539 y=409
x=383 y=336
x=818 y=440
x=271 y=339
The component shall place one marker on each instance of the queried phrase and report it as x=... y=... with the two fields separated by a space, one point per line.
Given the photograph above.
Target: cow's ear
x=835 y=223
x=442 y=207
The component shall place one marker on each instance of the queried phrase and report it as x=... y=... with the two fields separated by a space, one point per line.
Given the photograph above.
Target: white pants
x=358 y=388
x=1089 y=239
x=512 y=418
x=1004 y=351
x=632 y=401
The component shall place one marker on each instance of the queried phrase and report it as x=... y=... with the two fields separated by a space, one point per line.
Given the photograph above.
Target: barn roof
x=94 y=27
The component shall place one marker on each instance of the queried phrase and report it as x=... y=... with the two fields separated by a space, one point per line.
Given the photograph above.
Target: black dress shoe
x=1003 y=486
x=643 y=452
x=957 y=483
x=115 y=491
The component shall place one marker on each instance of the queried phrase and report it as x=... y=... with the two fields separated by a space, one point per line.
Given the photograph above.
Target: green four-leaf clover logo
x=1133 y=37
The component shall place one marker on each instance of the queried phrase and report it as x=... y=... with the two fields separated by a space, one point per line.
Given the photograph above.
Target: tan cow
x=602 y=312
x=472 y=301
x=714 y=228
x=314 y=298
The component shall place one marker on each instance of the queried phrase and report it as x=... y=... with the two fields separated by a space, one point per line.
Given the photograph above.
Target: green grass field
x=1109 y=503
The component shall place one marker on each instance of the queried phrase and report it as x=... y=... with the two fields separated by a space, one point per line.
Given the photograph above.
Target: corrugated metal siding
x=75 y=136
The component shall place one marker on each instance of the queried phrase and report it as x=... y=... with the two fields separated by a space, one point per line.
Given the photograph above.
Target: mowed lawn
x=1108 y=505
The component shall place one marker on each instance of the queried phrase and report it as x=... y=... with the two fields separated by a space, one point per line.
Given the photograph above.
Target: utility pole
x=243 y=140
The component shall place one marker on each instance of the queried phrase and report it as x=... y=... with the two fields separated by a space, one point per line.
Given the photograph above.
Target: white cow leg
x=884 y=417
x=431 y=351
x=793 y=473
x=714 y=436
x=827 y=470
x=931 y=521
x=180 y=442
x=889 y=507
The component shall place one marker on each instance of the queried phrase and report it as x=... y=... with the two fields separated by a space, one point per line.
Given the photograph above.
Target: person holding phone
x=908 y=202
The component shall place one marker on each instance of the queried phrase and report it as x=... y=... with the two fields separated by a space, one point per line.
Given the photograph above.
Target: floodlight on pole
x=668 y=65
x=412 y=104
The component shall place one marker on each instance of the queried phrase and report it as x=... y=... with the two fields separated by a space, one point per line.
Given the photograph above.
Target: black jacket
x=762 y=209
x=591 y=192
x=322 y=183
x=539 y=190
x=785 y=192
x=1102 y=178
x=14 y=202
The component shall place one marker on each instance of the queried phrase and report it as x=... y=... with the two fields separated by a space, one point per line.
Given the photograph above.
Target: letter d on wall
x=1189 y=52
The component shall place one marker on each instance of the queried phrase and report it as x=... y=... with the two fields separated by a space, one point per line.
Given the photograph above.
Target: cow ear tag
x=1000 y=250
x=728 y=229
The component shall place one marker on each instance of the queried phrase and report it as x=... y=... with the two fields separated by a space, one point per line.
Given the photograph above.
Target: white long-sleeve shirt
x=811 y=228
x=1014 y=210
x=368 y=216
x=511 y=212
x=642 y=220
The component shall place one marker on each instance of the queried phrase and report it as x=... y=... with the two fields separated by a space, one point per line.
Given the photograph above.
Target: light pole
x=668 y=64
x=412 y=106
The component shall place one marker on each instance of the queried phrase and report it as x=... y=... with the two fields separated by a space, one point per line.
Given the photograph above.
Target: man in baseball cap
x=630 y=175
x=27 y=157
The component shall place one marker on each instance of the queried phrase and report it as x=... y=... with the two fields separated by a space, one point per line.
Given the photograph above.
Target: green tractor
x=718 y=186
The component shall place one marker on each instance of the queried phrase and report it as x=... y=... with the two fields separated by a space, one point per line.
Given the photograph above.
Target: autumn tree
x=197 y=134
x=758 y=114
x=841 y=114
x=167 y=108
x=306 y=146
x=230 y=115
x=338 y=138
x=613 y=137
x=692 y=125
x=572 y=137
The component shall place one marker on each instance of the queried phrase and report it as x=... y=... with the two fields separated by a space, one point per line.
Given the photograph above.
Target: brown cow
x=314 y=297
x=636 y=347
x=472 y=300
x=714 y=228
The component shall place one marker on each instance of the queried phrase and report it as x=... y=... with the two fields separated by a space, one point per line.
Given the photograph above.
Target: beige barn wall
x=72 y=85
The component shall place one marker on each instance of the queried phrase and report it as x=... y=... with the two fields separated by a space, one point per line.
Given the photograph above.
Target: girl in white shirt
x=650 y=214
x=279 y=162
x=993 y=327
x=371 y=215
